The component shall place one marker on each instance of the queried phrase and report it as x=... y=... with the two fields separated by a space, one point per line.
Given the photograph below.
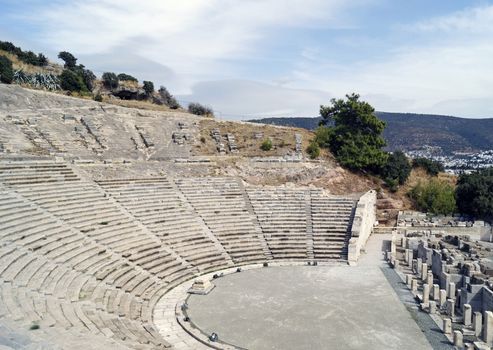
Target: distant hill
x=409 y=131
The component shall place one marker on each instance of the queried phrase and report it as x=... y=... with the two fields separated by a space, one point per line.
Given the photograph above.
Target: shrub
x=88 y=77
x=474 y=194
x=28 y=57
x=126 y=77
x=6 y=70
x=9 y=47
x=434 y=196
x=167 y=98
x=202 y=139
x=198 y=109
x=98 y=98
x=148 y=87
x=432 y=167
x=313 y=149
x=266 y=145
x=68 y=58
x=396 y=170
x=110 y=80
x=71 y=81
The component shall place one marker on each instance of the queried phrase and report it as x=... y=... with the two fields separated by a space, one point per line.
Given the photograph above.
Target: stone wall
x=364 y=220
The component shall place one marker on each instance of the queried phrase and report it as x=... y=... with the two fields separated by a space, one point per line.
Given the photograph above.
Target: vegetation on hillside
x=356 y=137
x=126 y=77
x=434 y=196
x=6 y=70
x=76 y=79
x=313 y=149
x=27 y=57
x=266 y=145
x=474 y=194
x=198 y=109
x=110 y=80
x=406 y=131
x=432 y=167
x=396 y=170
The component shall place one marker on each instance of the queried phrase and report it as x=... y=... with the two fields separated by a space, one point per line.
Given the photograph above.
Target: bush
x=28 y=57
x=110 y=80
x=126 y=77
x=396 y=170
x=98 y=98
x=435 y=196
x=71 y=81
x=6 y=70
x=432 y=167
x=313 y=149
x=88 y=77
x=68 y=58
x=167 y=98
x=266 y=145
x=148 y=87
x=198 y=109
x=474 y=194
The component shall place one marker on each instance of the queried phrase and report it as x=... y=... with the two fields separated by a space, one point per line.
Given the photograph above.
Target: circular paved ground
x=303 y=307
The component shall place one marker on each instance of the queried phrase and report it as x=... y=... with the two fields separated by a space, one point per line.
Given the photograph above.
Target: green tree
x=126 y=77
x=68 y=58
x=110 y=80
x=148 y=87
x=396 y=170
x=356 y=137
x=168 y=99
x=88 y=77
x=474 y=193
x=266 y=145
x=71 y=81
x=6 y=70
x=434 y=196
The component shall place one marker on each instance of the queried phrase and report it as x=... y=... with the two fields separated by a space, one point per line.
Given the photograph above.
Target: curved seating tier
x=89 y=259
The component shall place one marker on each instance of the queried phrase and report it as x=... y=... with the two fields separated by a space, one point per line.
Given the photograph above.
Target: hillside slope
x=411 y=131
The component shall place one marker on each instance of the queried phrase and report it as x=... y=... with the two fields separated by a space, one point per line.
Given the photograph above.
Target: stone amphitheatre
x=111 y=215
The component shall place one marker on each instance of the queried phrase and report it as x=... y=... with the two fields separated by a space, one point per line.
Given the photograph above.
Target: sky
x=277 y=58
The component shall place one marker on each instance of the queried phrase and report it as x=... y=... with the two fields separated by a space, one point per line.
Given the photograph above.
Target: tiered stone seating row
x=92 y=259
x=20 y=173
x=221 y=204
x=331 y=224
x=83 y=206
x=54 y=276
x=282 y=214
x=158 y=205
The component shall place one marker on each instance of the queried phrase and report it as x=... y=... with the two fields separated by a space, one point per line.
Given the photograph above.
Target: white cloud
x=183 y=34
x=243 y=99
x=445 y=67
x=471 y=20
x=447 y=71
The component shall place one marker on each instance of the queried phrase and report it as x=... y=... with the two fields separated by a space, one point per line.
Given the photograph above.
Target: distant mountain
x=407 y=131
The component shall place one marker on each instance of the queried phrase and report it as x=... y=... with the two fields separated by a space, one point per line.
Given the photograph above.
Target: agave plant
x=38 y=80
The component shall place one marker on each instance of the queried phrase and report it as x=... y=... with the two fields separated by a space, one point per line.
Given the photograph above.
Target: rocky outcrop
x=129 y=93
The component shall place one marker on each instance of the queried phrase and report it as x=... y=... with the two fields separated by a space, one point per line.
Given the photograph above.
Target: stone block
x=447 y=326
x=488 y=328
x=467 y=313
x=458 y=339
x=477 y=323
